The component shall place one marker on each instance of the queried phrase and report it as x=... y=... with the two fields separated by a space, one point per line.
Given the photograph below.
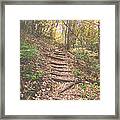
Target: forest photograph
x=59 y=59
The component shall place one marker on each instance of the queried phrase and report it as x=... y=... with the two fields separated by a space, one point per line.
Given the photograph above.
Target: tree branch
x=77 y=82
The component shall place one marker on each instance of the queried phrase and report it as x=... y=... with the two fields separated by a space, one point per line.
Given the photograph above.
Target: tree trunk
x=68 y=35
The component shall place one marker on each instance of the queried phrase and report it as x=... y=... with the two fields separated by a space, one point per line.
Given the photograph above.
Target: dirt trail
x=60 y=71
x=59 y=82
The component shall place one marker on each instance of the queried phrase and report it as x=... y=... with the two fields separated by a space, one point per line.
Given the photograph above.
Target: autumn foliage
x=59 y=60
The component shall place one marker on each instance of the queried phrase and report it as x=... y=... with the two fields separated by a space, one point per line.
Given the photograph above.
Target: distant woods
x=68 y=33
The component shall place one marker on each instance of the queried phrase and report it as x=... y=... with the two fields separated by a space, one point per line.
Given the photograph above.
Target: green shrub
x=77 y=72
x=27 y=51
x=37 y=75
x=83 y=86
x=30 y=75
x=95 y=65
x=82 y=55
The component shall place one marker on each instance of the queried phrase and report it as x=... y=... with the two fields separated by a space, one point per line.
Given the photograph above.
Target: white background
x=15 y=106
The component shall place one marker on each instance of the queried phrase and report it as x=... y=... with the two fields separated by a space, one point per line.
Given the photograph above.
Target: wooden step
x=57 y=50
x=61 y=70
x=63 y=77
x=62 y=80
x=58 y=63
x=58 y=66
x=59 y=53
x=58 y=58
x=62 y=74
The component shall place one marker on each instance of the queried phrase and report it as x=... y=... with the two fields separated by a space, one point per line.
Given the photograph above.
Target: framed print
x=60 y=59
